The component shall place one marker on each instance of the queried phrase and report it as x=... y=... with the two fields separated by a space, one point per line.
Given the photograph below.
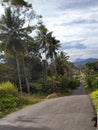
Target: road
x=66 y=113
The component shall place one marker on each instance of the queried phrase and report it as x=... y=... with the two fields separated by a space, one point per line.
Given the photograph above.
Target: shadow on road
x=30 y=120
x=22 y=128
x=94 y=119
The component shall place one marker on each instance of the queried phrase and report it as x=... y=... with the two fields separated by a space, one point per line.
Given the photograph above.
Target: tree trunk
x=26 y=79
x=53 y=70
x=45 y=67
x=19 y=76
x=55 y=67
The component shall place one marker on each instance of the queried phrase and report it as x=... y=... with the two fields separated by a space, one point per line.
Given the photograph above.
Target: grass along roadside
x=11 y=100
x=94 y=96
x=10 y=104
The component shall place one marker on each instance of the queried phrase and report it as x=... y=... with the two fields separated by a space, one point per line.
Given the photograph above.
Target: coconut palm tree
x=44 y=37
x=13 y=35
x=62 y=63
x=16 y=3
x=52 y=48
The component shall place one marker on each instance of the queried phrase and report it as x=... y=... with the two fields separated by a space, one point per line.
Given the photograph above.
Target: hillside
x=84 y=61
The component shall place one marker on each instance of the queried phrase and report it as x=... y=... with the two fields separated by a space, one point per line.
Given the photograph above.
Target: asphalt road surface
x=66 y=113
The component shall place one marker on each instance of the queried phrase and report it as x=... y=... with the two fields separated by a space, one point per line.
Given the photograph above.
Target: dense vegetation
x=30 y=57
x=91 y=78
x=11 y=100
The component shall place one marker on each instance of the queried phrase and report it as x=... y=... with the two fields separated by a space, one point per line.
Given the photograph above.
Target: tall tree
x=13 y=35
x=51 y=53
x=53 y=46
x=62 y=63
x=44 y=37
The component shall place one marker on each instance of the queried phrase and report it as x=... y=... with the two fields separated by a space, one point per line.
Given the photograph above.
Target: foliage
x=91 y=68
x=91 y=79
x=94 y=97
x=17 y=3
x=62 y=84
x=65 y=83
x=92 y=82
x=94 y=94
x=8 y=88
x=11 y=100
x=39 y=63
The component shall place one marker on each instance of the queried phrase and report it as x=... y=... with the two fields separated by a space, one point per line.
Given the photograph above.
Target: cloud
x=78 y=4
x=81 y=21
x=76 y=44
x=71 y=21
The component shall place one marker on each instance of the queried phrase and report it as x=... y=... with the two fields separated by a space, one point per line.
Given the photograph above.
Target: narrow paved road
x=66 y=113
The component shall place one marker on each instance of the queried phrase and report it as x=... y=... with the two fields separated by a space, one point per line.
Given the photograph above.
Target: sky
x=74 y=23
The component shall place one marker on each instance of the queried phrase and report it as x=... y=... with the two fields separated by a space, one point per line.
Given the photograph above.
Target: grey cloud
x=78 y=4
x=81 y=21
x=76 y=44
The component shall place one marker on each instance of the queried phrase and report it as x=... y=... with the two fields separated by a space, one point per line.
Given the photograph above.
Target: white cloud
x=72 y=20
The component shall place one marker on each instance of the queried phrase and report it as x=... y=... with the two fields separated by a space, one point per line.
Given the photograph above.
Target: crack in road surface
x=66 y=113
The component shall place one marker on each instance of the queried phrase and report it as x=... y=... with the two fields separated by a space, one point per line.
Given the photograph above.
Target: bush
x=92 y=82
x=11 y=100
x=8 y=102
x=73 y=83
x=8 y=88
x=94 y=94
x=55 y=83
x=95 y=84
x=65 y=83
x=36 y=87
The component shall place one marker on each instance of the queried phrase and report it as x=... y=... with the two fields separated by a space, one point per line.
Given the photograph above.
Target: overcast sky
x=74 y=23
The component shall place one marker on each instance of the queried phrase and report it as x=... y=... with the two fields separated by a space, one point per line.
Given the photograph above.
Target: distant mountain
x=84 y=61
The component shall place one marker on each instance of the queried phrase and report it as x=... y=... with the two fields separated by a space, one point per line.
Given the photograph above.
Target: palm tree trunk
x=19 y=76
x=45 y=67
x=26 y=79
x=53 y=69
x=55 y=65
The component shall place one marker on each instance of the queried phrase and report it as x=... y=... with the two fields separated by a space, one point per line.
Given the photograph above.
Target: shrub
x=8 y=102
x=95 y=84
x=73 y=83
x=92 y=82
x=8 y=88
x=94 y=94
x=89 y=80
x=35 y=87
